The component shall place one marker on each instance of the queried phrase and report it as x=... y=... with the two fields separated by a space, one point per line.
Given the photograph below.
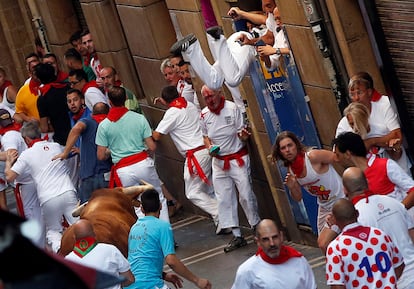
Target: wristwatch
x=278 y=52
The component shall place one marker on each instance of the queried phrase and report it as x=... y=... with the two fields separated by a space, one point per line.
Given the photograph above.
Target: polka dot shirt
x=362 y=257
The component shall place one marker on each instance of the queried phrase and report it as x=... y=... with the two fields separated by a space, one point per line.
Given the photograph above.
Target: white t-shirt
x=389 y=215
x=187 y=91
x=183 y=125
x=255 y=273
x=104 y=257
x=51 y=177
x=382 y=118
x=222 y=129
x=94 y=95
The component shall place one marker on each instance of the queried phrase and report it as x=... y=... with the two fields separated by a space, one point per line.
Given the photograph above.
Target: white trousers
x=53 y=210
x=231 y=64
x=144 y=170
x=225 y=183
x=32 y=210
x=198 y=192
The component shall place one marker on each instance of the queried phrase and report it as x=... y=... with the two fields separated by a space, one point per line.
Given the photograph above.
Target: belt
x=114 y=179
x=191 y=159
x=235 y=156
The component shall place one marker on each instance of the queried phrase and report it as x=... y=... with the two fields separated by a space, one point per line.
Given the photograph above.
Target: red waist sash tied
x=191 y=159
x=236 y=156
x=124 y=162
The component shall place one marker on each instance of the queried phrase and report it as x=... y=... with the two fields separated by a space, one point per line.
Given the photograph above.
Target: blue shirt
x=150 y=241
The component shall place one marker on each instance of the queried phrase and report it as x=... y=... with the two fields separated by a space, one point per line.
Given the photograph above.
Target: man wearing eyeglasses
x=91 y=91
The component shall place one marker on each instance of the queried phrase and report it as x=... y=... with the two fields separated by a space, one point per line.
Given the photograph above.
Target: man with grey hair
x=55 y=189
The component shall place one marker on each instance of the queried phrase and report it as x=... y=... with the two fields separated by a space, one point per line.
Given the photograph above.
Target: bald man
x=103 y=257
x=385 y=213
x=274 y=265
x=353 y=255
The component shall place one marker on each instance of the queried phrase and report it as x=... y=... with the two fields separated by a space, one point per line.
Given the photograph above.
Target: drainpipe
x=38 y=22
x=316 y=13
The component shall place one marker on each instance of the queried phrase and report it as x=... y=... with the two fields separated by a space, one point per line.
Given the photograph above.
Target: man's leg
x=196 y=190
x=248 y=200
x=190 y=48
x=234 y=59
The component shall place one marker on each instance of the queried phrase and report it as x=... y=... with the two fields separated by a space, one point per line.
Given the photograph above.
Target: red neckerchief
x=219 y=108
x=115 y=113
x=179 y=102
x=78 y=115
x=86 y=59
x=15 y=126
x=84 y=246
x=89 y=84
x=375 y=95
x=46 y=87
x=298 y=164
x=30 y=144
x=34 y=86
x=6 y=83
x=285 y=254
x=99 y=117
x=364 y=195
x=61 y=76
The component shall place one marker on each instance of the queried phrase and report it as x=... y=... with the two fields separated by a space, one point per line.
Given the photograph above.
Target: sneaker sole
x=177 y=46
x=226 y=250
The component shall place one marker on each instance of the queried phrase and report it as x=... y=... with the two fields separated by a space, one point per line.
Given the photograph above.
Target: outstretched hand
x=203 y=283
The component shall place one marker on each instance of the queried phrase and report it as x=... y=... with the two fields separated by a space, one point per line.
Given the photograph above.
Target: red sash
x=236 y=156
x=191 y=159
x=124 y=162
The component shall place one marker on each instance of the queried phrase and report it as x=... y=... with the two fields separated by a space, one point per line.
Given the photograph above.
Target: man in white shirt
x=55 y=189
x=274 y=265
x=100 y=256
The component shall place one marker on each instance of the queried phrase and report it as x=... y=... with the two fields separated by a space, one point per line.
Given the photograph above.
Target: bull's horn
x=77 y=212
x=137 y=189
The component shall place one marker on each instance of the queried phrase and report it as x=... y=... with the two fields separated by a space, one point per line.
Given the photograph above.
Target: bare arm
x=178 y=267
x=156 y=135
x=399 y=270
x=102 y=153
x=408 y=201
x=150 y=144
x=337 y=287
x=411 y=233
x=129 y=278
x=294 y=187
x=11 y=94
x=383 y=141
x=236 y=13
x=73 y=136
x=321 y=156
x=11 y=175
x=21 y=117
x=44 y=124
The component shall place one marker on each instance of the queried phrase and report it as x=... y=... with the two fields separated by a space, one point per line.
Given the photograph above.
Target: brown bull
x=111 y=213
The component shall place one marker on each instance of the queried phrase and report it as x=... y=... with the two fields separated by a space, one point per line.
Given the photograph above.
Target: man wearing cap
x=12 y=142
